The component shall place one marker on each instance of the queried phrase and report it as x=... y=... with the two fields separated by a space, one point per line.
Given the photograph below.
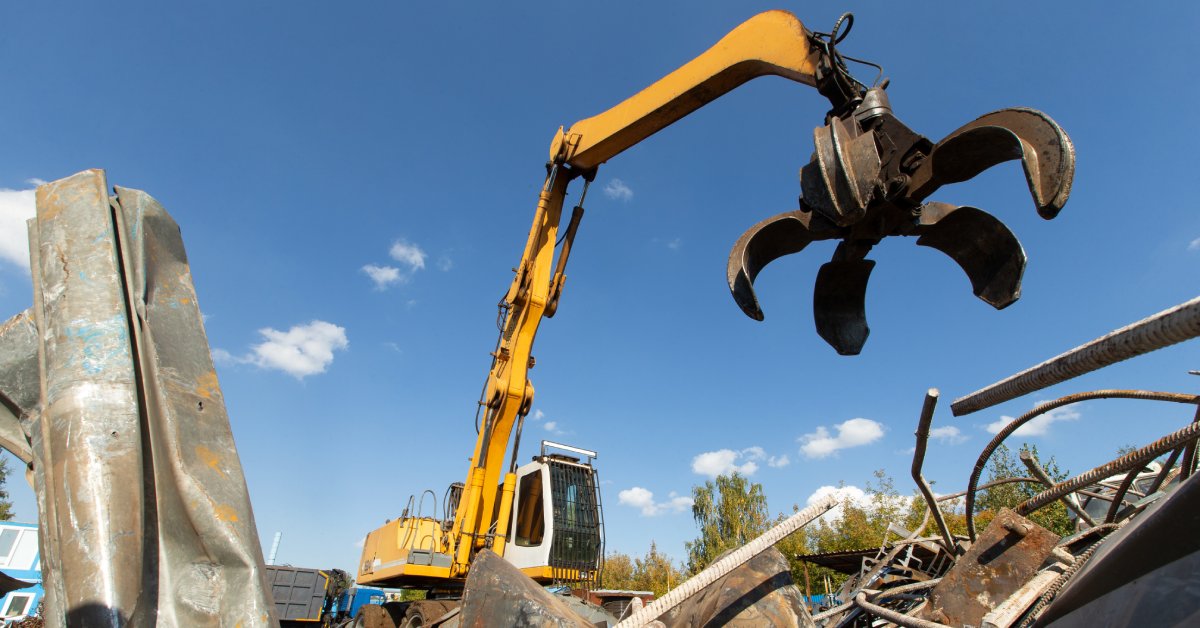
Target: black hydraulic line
x=1044 y=408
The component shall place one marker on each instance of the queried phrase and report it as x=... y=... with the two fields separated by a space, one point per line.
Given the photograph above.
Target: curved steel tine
x=981 y=245
x=765 y=242
x=839 y=304
x=1045 y=151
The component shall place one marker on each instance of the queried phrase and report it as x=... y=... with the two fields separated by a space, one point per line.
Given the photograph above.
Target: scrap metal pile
x=1132 y=561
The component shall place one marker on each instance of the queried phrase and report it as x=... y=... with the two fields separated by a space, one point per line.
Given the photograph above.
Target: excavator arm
x=868 y=179
x=771 y=43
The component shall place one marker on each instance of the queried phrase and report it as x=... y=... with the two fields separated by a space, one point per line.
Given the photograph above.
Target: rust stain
x=210 y=458
x=206 y=385
x=225 y=513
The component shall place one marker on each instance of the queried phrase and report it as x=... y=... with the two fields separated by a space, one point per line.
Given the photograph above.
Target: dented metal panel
x=1006 y=555
x=145 y=514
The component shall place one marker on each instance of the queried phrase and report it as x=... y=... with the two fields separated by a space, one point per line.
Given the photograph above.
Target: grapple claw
x=765 y=242
x=868 y=179
x=981 y=245
x=1045 y=151
x=839 y=304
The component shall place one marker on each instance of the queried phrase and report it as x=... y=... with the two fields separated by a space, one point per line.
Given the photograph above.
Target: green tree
x=729 y=511
x=857 y=525
x=1003 y=464
x=6 y=507
x=652 y=572
x=618 y=571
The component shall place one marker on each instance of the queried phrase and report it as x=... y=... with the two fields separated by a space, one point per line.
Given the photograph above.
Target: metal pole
x=1164 y=329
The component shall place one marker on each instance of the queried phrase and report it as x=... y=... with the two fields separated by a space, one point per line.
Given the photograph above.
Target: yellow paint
x=210 y=458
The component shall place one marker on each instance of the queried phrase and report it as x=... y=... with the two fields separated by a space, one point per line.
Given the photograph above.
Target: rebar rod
x=1015 y=424
x=1163 y=329
x=900 y=619
x=1167 y=468
x=1119 y=495
x=731 y=561
x=1189 y=454
x=985 y=487
x=1069 y=500
x=922 y=435
x=1124 y=463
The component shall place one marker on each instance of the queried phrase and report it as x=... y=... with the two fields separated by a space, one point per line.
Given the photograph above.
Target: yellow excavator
x=867 y=179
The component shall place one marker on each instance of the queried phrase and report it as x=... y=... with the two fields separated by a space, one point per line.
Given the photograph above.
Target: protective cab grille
x=578 y=544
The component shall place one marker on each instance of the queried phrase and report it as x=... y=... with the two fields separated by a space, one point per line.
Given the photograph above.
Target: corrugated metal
x=144 y=511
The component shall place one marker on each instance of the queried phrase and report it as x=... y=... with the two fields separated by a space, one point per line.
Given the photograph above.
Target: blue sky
x=360 y=177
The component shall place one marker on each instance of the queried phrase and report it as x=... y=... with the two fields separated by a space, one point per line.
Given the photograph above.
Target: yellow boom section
x=771 y=43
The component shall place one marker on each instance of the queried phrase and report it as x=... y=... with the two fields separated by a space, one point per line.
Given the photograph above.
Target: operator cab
x=556 y=533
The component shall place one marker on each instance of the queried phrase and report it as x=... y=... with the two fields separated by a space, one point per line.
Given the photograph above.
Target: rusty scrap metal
x=1168 y=327
x=730 y=562
x=20 y=389
x=144 y=517
x=1069 y=500
x=759 y=592
x=899 y=619
x=870 y=177
x=931 y=503
x=1008 y=553
x=1134 y=459
x=1015 y=424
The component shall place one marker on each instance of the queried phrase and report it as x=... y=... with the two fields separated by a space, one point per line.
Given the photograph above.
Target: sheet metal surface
x=145 y=518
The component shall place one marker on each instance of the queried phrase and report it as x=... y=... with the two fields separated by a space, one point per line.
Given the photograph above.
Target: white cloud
x=948 y=434
x=1039 y=426
x=722 y=462
x=300 y=351
x=552 y=427
x=383 y=276
x=726 y=461
x=853 y=494
x=852 y=433
x=618 y=191
x=675 y=244
x=16 y=206
x=408 y=254
x=856 y=496
x=445 y=264
x=643 y=500
x=538 y=415
x=1194 y=245
x=411 y=259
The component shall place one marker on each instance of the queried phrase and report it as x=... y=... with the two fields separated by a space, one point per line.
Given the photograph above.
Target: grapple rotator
x=869 y=178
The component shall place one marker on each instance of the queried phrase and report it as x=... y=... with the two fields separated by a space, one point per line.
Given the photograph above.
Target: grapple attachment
x=868 y=179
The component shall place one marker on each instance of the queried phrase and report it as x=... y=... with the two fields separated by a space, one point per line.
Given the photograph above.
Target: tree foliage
x=652 y=572
x=729 y=511
x=6 y=506
x=1003 y=464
